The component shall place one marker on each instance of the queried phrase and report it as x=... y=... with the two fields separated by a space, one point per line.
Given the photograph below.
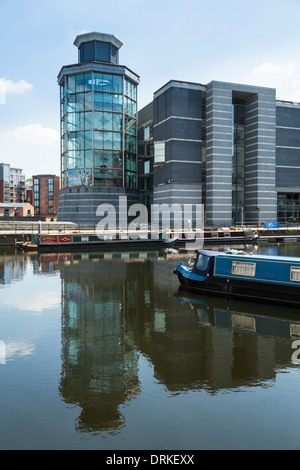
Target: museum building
x=98 y=116
x=232 y=147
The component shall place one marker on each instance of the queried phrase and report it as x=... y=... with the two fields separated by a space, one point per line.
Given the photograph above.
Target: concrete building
x=46 y=194
x=98 y=129
x=232 y=147
x=12 y=184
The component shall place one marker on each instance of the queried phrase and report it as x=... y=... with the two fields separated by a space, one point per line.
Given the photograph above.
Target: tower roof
x=85 y=37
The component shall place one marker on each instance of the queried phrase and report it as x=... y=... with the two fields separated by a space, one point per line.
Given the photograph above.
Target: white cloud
x=295 y=86
x=15 y=87
x=282 y=76
x=269 y=68
x=32 y=147
x=8 y=86
x=33 y=134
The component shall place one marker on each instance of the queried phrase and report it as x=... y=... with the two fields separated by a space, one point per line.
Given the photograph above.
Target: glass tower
x=238 y=162
x=98 y=107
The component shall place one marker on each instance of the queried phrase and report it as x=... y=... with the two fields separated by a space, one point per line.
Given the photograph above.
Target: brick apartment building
x=46 y=195
x=29 y=192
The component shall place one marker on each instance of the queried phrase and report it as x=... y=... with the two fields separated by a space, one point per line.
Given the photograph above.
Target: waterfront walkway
x=13 y=231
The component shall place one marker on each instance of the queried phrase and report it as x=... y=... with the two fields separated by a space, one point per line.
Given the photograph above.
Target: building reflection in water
x=99 y=355
x=117 y=306
x=12 y=268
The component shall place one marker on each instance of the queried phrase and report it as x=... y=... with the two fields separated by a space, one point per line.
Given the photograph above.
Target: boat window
x=295 y=273
x=202 y=262
x=242 y=268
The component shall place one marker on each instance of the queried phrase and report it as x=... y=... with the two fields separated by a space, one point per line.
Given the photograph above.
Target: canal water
x=105 y=351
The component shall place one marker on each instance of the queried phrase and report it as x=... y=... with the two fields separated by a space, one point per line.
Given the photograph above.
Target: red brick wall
x=56 y=193
x=29 y=196
x=21 y=211
x=45 y=207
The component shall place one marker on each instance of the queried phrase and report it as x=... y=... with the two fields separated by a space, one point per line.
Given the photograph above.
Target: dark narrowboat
x=255 y=277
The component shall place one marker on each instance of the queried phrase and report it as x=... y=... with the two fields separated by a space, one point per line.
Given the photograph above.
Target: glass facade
x=159 y=152
x=98 y=50
x=238 y=162
x=289 y=207
x=5 y=175
x=98 y=130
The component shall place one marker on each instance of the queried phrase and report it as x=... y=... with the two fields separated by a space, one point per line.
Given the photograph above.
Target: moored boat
x=28 y=246
x=243 y=275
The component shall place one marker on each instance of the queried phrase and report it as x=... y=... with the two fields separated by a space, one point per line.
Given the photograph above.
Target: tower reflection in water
x=99 y=358
x=117 y=306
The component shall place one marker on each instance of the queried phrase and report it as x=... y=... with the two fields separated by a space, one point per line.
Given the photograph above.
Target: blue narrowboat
x=244 y=275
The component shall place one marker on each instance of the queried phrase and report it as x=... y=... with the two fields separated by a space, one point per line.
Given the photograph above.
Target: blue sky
x=252 y=42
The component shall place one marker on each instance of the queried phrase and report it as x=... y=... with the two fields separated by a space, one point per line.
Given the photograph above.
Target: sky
x=251 y=42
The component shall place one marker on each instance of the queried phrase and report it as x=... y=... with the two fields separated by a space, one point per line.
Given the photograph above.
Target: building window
x=295 y=273
x=159 y=152
x=147 y=133
x=243 y=269
x=147 y=167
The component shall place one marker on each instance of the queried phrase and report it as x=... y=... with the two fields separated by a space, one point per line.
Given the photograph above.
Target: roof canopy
x=86 y=37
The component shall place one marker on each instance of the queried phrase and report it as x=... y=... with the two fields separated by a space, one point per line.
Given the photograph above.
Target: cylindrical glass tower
x=98 y=103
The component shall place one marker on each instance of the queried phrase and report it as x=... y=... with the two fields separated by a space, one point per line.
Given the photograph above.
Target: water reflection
x=245 y=343
x=119 y=307
x=12 y=267
x=99 y=354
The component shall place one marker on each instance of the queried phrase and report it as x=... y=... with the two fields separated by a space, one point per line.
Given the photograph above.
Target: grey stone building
x=232 y=147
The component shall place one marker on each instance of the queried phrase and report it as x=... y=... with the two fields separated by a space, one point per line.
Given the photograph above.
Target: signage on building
x=271 y=225
x=80 y=177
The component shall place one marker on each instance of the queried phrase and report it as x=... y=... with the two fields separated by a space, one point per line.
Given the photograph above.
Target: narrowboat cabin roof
x=262 y=268
x=258 y=277
x=250 y=256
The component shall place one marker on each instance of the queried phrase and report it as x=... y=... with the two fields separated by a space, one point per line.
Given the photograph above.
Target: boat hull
x=254 y=291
